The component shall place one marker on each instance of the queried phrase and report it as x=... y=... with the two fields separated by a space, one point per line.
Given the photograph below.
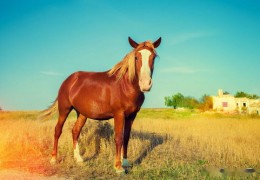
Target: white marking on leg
x=77 y=156
x=53 y=160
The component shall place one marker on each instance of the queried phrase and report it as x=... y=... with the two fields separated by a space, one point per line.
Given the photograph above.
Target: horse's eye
x=136 y=58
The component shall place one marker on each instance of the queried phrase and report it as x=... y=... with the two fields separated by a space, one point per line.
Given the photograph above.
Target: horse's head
x=144 y=62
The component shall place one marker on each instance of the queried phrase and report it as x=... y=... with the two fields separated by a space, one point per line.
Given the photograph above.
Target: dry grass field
x=165 y=144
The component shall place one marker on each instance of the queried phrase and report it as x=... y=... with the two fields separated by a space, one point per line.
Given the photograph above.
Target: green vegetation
x=165 y=114
x=180 y=101
x=241 y=94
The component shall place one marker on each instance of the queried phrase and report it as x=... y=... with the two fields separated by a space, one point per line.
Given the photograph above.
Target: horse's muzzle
x=145 y=84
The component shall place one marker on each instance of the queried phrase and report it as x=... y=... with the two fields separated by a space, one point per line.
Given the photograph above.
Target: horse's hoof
x=126 y=164
x=53 y=161
x=79 y=162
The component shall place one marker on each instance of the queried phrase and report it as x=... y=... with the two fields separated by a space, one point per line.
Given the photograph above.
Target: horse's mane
x=127 y=64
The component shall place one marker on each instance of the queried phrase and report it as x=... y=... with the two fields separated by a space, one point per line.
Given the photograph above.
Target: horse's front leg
x=127 y=130
x=119 y=121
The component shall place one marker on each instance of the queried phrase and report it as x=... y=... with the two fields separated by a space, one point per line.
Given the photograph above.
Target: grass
x=165 y=144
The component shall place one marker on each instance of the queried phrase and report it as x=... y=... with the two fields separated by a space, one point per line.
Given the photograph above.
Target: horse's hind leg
x=63 y=114
x=75 y=134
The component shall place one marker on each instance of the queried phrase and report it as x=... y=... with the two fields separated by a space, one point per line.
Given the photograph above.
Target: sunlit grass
x=164 y=144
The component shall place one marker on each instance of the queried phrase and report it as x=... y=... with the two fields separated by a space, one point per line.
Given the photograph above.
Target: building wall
x=242 y=104
x=224 y=103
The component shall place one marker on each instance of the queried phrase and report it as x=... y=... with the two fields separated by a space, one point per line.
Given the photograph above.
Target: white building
x=228 y=103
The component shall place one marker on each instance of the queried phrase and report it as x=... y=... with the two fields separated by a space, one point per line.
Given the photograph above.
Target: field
x=165 y=144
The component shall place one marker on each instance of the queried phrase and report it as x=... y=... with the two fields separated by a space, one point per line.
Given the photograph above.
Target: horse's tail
x=47 y=113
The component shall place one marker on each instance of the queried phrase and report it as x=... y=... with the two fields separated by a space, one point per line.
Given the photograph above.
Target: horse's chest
x=133 y=105
x=131 y=109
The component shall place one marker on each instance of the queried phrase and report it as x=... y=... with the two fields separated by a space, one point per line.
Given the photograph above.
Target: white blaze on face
x=145 y=69
x=145 y=81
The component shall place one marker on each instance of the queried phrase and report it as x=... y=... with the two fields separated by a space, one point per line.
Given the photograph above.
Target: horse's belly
x=95 y=110
x=99 y=116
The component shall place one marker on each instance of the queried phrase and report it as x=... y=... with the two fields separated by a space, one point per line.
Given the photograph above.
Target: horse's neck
x=130 y=86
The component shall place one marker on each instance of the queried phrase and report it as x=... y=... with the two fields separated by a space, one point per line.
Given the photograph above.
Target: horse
x=117 y=93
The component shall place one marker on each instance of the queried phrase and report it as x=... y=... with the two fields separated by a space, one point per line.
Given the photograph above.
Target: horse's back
x=83 y=79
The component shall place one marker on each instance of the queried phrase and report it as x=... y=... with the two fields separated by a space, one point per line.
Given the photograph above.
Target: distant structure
x=228 y=103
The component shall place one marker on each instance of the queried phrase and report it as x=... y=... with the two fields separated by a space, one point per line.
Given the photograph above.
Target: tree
x=190 y=102
x=254 y=96
x=174 y=101
x=178 y=100
x=206 y=103
x=241 y=94
x=168 y=101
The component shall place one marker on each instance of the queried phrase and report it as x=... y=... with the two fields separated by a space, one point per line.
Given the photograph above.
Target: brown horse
x=117 y=93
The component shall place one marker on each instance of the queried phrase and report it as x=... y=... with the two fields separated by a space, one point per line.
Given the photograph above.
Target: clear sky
x=206 y=45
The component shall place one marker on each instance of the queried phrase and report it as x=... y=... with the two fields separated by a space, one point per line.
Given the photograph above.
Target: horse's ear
x=132 y=43
x=157 y=42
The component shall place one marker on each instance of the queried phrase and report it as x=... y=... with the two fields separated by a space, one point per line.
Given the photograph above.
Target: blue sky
x=206 y=45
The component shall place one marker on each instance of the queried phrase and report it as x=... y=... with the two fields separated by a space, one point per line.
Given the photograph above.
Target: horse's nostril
x=150 y=81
